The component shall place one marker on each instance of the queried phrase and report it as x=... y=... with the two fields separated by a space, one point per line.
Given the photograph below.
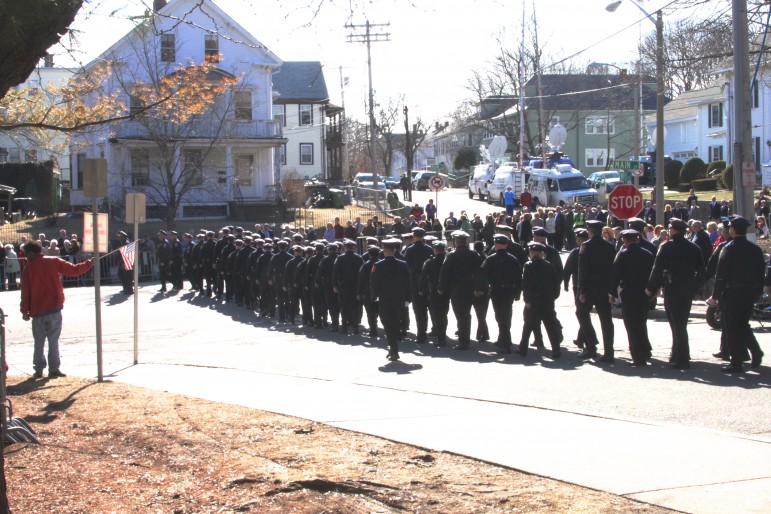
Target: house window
x=80 y=163
x=244 y=170
x=306 y=114
x=755 y=96
x=140 y=168
x=211 y=48
x=306 y=153
x=193 y=170
x=168 y=48
x=756 y=141
x=600 y=125
x=243 y=102
x=279 y=114
x=30 y=155
x=14 y=155
x=3 y=155
x=282 y=154
x=715 y=153
x=598 y=157
x=715 y=115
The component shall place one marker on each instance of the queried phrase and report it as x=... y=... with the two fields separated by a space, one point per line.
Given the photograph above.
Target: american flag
x=128 y=252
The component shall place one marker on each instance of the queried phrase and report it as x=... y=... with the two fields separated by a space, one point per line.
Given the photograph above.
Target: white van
x=478 y=178
x=560 y=185
x=507 y=174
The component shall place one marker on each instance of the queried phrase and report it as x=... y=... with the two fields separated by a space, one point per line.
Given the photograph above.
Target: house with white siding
x=227 y=156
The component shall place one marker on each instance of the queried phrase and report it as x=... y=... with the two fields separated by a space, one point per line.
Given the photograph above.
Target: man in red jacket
x=42 y=299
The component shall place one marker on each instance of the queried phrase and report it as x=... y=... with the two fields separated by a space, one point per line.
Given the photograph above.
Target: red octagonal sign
x=625 y=201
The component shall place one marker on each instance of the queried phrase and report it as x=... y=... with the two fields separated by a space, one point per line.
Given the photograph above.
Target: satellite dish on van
x=557 y=136
x=497 y=148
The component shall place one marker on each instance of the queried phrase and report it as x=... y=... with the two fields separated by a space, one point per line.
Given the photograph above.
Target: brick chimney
x=48 y=61
x=158 y=5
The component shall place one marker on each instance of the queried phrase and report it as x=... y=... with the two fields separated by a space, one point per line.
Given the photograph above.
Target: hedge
x=715 y=168
x=727 y=177
x=693 y=169
x=684 y=187
x=672 y=173
x=705 y=184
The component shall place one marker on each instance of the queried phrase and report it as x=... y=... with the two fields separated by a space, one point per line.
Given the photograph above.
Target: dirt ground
x=113 y=448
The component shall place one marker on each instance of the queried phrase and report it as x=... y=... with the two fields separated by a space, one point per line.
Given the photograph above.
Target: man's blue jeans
x=47 y=326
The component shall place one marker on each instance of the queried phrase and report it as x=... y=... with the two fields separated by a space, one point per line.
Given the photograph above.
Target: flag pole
x=136 y=282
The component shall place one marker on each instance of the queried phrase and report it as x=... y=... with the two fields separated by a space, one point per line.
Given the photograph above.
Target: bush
x=705 y=184
x=693 y=169
x=672 y=173
x=727 y=177
x=683 y=187
x=715 y=168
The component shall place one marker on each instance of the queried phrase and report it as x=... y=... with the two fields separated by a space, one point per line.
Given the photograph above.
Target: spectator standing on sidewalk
x=42 y=300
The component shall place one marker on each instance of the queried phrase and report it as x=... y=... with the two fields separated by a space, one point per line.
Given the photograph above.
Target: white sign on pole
x=436 y=182
x=749 y=173
x=766 y=175
x=88 y=232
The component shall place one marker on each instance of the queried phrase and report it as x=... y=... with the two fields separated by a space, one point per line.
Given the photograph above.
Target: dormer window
x=168 y=48
x=211 y=48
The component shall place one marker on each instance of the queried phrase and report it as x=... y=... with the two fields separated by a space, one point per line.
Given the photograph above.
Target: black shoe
x=578 y=343
x=722 y=356
x=483 y=338
x=421 y=340
x=504 y=351
x=56 y=374
x=757 y=359
x=38 y=374
x=537 y=344
x=556 y=354
x=639 y=364
x=521 y=352
x=732 y=368
x=163 y=290
x=392 y=356
x=441 y=343
x=461 y=347
x=608 y=359
x=588 y=353
x=683 y=365
x=335 y=328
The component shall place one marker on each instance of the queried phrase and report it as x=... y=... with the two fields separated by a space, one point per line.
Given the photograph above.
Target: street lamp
x=659 y=22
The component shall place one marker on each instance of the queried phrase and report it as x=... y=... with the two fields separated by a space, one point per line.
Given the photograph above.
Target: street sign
x=628 y=165
x=749 y=172
x=625 y=201
x=102 y=224
x=436 y=183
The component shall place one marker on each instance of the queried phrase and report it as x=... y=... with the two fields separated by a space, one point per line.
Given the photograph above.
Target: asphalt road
x=455 y=200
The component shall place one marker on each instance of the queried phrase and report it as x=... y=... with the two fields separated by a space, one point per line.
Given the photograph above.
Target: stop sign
x=625 y=201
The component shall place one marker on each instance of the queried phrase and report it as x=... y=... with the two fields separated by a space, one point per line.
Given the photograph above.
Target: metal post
x=636 y=101
x=372 y=145
x=136 y=282
x=97 y=289
x=659 y=117
x=742 y=120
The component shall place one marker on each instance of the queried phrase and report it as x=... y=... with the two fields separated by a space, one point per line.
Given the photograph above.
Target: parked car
x=390 y=182
x=420 y=182
x=561 y=185
x=605 y=181
x=366 y=181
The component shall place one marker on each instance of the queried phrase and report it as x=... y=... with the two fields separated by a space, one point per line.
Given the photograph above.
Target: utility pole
x=743 y=152
x=368 y=37
x=408 y=150
x=344 y=172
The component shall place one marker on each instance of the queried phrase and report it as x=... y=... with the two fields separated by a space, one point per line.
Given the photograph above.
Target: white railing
x=231 y=129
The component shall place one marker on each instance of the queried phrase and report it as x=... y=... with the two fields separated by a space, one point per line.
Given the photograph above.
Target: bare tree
x=385 y=122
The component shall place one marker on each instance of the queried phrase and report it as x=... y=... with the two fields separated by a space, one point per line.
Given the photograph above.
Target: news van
x=507 y=174
x=478 y=179
x=560 y=185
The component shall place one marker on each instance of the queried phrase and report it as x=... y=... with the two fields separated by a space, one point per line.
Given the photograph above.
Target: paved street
x=689 y=440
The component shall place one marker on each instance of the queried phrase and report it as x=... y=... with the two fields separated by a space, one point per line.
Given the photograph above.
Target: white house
x=16 y=147
x=227 y=156
x=699 y=123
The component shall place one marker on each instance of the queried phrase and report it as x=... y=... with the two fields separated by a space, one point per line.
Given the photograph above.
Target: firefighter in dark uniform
x=390 y=287
x=188 y=260
x=207 y=262
x=175 y=263
x=416 y=255
x=194 y=262
x=540 y=235
x=324 y=280
x=514 y=248
x=540 y=287
x=316 y=292
x=345 y=275
x=262 y=280
x=679 y=269
x=458 y=279
x=222 y=242
x=163 y=256
x=291 y=285
x=241 y=283
x=276 y=270
x=504 y=275
x=570 y=271
x=595 y=270
x=631 y=268
x=738 y=284
x=252 y=276
x=231 y=279
x=306 y=301
x=363 y=289
x=438 y=304
x=711 y=273
x=481 y=301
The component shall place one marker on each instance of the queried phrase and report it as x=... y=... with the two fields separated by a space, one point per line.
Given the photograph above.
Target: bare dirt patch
x=116 y=448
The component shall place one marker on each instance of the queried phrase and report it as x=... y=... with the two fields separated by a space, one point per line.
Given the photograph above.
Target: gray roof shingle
x=300 y=81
